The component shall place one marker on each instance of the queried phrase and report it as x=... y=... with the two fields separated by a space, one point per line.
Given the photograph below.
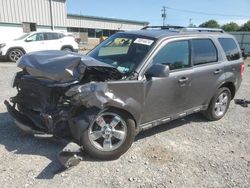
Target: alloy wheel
x=15 y=54
x=221 y=104
x=108 y=132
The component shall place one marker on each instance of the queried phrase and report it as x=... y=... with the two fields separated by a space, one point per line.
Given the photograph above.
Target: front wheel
x=219 y=104
x=110 y=135
x=15 y=54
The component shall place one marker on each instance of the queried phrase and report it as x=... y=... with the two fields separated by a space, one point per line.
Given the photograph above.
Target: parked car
x=37 y=41
x=130 y=82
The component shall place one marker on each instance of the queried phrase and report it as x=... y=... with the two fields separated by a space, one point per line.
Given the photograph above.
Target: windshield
x=123 y=51
x=23 y=36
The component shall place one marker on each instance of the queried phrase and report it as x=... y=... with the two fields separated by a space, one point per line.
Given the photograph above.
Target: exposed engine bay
x=44 y=100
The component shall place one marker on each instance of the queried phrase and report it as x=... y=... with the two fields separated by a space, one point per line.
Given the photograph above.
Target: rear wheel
x=15 y=54
x=110 y=135
x=219 y=104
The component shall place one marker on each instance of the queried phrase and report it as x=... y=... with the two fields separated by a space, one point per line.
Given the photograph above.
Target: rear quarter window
x=204 y=51
x=230 y=48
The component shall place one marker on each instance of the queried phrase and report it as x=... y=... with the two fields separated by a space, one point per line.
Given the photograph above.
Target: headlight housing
x=2 y=45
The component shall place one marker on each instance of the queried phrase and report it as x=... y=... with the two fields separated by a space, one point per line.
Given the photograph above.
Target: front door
x=170 y=95
x=35 y=42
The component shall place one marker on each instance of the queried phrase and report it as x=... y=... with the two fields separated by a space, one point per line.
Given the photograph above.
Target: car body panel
x=149 y=100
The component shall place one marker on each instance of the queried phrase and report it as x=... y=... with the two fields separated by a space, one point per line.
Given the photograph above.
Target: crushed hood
x=63 y=66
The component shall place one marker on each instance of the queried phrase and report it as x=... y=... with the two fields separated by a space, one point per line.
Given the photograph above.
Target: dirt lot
x=190 y=152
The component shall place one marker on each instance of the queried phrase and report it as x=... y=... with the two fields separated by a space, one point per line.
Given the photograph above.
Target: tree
x=210 y=24
x=232 y=26
x=246 y=26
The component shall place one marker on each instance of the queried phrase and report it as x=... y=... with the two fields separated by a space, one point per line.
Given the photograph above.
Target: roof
x=158 y=33
x=143 y=23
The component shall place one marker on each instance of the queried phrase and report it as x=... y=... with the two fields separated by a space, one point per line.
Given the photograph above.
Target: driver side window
x=174 y=54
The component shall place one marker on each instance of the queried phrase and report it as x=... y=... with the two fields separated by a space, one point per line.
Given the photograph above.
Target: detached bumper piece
x=21 y=120
x=71 y=155
x=242 y=102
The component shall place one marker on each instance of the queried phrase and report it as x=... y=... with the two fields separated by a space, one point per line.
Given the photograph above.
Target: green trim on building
x=38 y=26
x=49 y=27
x=10 y=24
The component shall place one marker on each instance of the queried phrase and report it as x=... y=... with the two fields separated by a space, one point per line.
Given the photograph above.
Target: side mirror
x=28 y=40
x=158 y=70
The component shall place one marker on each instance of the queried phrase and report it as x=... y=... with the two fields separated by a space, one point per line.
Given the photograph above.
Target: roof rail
x=184 y=29
x=168 y=27
x=199 y=29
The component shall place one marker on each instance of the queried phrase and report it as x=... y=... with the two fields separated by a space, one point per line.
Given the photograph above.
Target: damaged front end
x=44 y=103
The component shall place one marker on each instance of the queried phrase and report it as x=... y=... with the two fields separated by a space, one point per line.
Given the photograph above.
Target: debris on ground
x=71 y=155
x=242 y=102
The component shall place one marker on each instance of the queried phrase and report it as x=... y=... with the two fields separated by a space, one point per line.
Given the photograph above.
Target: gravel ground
x=190 y=152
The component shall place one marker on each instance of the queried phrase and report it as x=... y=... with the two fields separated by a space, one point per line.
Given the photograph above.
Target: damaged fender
x=98 y=96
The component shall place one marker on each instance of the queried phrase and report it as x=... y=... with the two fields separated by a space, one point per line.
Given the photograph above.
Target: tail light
x=242 y=66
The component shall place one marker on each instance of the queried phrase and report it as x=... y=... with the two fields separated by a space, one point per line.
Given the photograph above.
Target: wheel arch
x=231 y=87
x=113 y=108
x=16 y=47
x=67 y=46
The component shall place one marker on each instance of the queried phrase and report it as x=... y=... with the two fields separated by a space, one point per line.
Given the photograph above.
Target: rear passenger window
x=51 y=36
x=174 y=54
x=230 y=48
x=204 y=51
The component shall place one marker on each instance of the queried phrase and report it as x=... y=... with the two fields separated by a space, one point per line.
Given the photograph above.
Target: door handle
x=183 y=80
x=217 y=71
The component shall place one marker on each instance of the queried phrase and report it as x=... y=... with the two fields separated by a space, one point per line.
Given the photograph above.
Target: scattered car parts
x=242 y=102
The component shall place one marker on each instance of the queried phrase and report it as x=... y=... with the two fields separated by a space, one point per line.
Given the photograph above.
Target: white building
x=21 y=16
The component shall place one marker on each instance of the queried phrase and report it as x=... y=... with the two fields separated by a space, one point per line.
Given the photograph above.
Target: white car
x=37 y=41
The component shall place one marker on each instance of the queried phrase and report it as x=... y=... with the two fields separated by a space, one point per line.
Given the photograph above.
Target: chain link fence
x=243 y=39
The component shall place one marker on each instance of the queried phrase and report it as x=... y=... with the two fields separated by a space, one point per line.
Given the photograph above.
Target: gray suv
x=132 y=81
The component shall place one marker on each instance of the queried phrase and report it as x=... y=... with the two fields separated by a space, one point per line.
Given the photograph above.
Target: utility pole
x=190 y=22
x=164 y=14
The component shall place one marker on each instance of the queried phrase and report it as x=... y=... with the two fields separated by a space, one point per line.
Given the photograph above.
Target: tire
x=101 y=141
x=218 y=105
x=14 y=54
x=67 y=49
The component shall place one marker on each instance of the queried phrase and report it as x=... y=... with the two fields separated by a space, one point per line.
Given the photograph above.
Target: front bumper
x=2 y=56
x=21 y=121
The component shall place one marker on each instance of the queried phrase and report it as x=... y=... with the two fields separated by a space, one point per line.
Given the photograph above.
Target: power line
x=205 y=13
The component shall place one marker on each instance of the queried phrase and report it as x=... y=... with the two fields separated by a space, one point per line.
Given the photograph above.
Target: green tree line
x=232 y=26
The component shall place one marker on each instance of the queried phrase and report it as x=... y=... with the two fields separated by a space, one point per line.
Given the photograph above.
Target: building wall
x=13 y=13
x=35 y=11
x=83 y=22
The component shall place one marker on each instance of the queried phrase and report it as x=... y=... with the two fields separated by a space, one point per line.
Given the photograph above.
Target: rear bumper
x=21 y=121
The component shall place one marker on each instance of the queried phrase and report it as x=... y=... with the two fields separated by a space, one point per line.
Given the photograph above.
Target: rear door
x=52 y=41
x=208 y=71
